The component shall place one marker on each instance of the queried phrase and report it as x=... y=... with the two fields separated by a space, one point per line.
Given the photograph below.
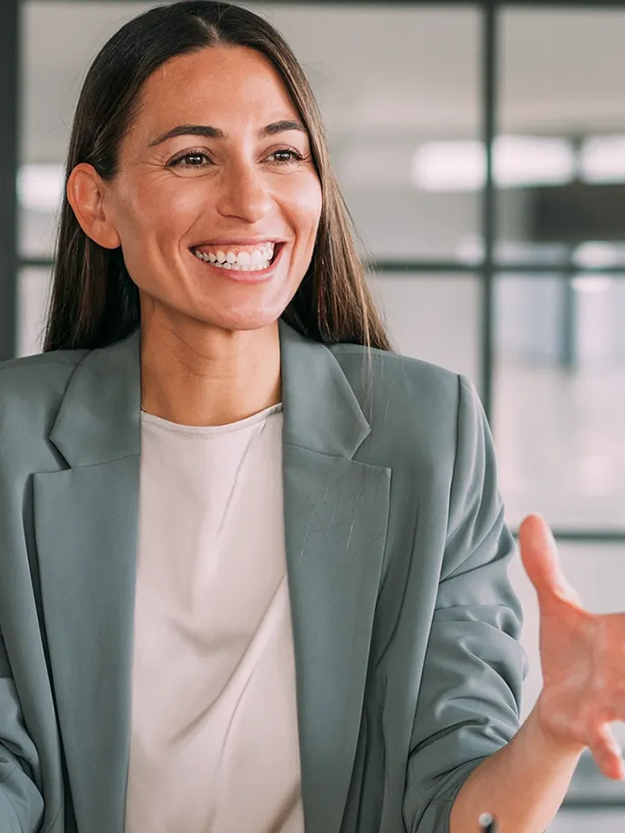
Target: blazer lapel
x=86 y=533
x=336 y=512
x=86 y=517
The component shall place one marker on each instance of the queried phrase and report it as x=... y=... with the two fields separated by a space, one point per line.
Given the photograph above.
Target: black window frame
x=484 y=271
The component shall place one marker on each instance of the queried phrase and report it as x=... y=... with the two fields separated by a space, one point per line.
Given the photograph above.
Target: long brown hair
x=94 y=301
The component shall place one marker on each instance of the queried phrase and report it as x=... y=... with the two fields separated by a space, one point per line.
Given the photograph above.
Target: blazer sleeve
x=21 y=803
x=469 y=699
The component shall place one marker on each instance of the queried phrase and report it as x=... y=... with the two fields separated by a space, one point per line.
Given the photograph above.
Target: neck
x=199 y=375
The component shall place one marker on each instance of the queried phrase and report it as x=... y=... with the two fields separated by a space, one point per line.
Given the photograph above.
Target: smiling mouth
x=248 y=271
x=239 y=258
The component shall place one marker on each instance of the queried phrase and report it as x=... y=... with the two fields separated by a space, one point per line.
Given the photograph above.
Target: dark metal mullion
x=489 y=116
x=587 y=536
x=9 y=71
x=592 y=805
x=395 y=266
x=448 y=268
x=538 y=271
x=568 y=334
x=543 y=4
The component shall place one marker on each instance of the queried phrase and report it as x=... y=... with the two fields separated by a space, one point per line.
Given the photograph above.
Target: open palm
x=582 y=656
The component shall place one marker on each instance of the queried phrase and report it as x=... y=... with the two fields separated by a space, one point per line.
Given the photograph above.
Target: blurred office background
x=481 y=148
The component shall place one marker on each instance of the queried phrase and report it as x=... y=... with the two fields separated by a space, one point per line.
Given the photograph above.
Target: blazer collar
x=99 y=421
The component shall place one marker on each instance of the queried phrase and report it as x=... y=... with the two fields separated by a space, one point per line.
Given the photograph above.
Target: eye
x=193 y=154
x=288 y=156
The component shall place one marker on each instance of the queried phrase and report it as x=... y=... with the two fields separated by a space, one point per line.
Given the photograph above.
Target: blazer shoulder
x=412 y=406
x=29 y=364
x=31 y=387
x=395 y=376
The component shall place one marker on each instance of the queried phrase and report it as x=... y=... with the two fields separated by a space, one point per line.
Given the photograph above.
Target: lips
x=242 y=276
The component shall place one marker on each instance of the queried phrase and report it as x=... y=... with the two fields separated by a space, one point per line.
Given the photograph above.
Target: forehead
x=214 y=80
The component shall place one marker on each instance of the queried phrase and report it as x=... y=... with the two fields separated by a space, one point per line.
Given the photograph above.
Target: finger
x=608 y=754
x=539 y=555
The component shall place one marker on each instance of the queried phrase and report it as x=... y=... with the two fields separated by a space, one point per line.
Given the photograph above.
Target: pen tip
x=486 y=821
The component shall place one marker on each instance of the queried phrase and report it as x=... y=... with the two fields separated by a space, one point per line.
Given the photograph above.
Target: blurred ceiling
x=377 y=72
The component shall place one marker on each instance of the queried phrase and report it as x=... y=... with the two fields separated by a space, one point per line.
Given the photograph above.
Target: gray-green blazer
x=405 y=627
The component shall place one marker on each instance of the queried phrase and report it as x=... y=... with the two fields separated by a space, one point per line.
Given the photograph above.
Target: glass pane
x=36 y=232
x=559 y=404
x=559 y=160
x=382 y=116
x=434 y=318
x=34 y=285
x=54 y=63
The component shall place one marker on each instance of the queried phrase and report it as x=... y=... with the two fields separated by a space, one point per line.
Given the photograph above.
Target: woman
x=253 y=562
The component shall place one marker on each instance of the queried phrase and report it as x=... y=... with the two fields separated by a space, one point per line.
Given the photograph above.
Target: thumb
x=539 y=555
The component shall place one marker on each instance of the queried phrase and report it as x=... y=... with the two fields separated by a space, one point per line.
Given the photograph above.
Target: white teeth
x=263 y=264
x=243 y=261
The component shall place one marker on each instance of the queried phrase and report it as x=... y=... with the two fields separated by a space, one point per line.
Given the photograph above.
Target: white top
x=214 y=745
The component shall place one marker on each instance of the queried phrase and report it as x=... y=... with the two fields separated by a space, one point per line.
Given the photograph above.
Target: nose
x=244 y=193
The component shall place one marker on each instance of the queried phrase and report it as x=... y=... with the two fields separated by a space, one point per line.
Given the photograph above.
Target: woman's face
x=216 y=166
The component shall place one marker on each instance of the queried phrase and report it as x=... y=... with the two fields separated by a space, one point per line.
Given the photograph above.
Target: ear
x=85 y=194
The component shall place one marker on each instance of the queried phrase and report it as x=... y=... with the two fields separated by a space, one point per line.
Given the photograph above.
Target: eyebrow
x=209 y=132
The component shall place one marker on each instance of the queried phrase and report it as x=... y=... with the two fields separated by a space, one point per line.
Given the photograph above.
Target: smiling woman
x=254 y=563
x=259 y=149
x=242 y=187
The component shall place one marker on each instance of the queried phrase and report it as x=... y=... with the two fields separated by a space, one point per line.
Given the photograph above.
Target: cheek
x=306 y=207
x=153 y=210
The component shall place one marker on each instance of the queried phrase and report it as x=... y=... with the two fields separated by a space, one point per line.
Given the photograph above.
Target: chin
x=244 y=321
